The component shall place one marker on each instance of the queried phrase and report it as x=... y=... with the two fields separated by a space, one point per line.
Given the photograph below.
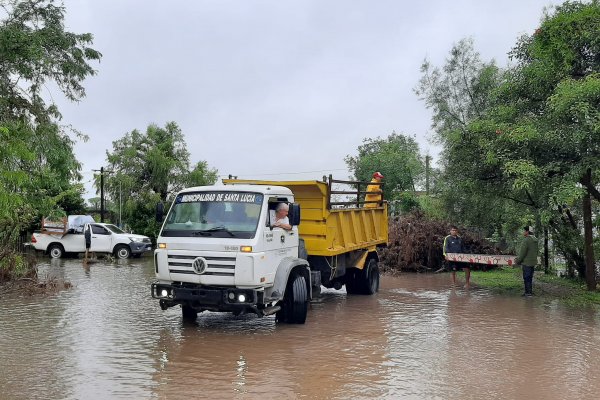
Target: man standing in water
x=527 y=257
x=454 y=244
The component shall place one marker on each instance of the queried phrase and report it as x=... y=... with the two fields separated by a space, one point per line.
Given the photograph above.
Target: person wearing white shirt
x=281 y=218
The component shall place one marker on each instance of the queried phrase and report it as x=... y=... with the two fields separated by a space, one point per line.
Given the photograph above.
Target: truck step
x=270 y=310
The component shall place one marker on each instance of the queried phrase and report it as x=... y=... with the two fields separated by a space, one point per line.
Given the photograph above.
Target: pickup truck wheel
x=122 y=252
x=188 y=313
x=294 y=306
x=56 y=251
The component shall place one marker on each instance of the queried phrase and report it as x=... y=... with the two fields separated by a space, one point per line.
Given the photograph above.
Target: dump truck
x=219 y=251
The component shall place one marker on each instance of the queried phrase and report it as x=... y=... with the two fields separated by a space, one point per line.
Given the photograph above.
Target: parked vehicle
x=59 y=238
x=217 y=249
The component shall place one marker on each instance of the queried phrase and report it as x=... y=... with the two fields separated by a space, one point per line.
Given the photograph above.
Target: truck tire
x=294 y=306
x=188 y=313
x=351 y=281
x=56 y=250
x=371 y=277
x=363 y=281
x=122 y=252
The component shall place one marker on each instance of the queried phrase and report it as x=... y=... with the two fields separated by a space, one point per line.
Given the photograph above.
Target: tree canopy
x=38 y=170
x=147 y=168
x=397 y=157
x=523 y=142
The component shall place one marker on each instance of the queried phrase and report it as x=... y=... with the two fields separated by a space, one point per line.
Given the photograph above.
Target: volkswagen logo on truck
x=199 y=265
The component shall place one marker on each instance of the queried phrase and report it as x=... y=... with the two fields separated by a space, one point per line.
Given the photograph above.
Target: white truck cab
x=218 y=251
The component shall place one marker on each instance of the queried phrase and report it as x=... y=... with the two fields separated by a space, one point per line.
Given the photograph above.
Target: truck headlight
x=164 y=293
x=241 y=298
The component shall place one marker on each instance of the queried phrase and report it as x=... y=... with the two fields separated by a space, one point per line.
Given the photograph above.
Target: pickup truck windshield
x=113 y=228
x=214 y=214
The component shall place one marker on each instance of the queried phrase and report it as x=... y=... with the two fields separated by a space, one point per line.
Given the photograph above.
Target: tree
x=553 y=96
x=397 y=157
x=533 y=147
x=458 y=94
x=147 y=168
x=37 y=165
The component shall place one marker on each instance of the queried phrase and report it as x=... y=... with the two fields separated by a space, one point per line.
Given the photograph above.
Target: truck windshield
x=214 y=214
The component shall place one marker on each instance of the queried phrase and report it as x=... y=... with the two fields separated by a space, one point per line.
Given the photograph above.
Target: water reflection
x=418 y=338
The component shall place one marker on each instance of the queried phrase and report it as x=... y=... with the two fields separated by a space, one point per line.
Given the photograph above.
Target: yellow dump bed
x=331 y=231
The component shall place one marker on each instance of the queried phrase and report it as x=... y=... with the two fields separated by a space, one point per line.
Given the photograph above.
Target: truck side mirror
x=294 y=214
x=160 y=211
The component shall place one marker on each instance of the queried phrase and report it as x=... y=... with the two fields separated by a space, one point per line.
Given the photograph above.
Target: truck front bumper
x=208 y=298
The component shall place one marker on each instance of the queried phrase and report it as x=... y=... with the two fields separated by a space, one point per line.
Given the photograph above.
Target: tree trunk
x=546 y=251
x=590 y=265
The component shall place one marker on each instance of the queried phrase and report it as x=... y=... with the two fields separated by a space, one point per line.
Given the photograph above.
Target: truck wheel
x=351 y=281
x=56 y=250
x=370 y=277
x=294 y=306
x=122 y=252
x=188 y=313
x=363 y=281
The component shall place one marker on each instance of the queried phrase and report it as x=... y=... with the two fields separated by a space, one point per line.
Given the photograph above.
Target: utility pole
x=101 y=194
x=102 y=171
x=120 y=205
x=427 y=158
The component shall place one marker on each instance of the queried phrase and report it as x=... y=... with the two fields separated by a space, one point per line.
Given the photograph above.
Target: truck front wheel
x=294 y=306
x=122 y=252
x=188 y=313
x=56 y=250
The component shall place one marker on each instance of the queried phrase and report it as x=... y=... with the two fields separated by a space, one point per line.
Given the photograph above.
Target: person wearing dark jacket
x=454 y=244
x=527 y=258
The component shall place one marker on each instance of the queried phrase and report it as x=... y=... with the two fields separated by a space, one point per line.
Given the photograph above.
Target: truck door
x=101 y=239
x=279 y=242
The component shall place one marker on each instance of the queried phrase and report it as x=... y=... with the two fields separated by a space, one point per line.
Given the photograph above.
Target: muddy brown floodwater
x=106 y=338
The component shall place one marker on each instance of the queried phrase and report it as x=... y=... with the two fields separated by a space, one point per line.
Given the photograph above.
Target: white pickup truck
x=104 y=238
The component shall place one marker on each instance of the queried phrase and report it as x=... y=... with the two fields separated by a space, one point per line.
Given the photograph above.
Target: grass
x=509 y=281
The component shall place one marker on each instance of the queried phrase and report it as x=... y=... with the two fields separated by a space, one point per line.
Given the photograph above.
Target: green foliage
x=14 y=266
x=35 y=49
x=432 y=207
x=37 y=164
x=470 y=185
x=547 y=287
x=518 y=147
x=147 y=168
x=397 y=157
x=201 y=175
x=408 y=202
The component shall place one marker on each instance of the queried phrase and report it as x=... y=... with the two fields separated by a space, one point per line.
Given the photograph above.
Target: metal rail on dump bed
x=331 y=231
x=360 y=194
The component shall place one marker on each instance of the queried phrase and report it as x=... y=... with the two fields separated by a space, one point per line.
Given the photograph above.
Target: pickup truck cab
x=104 y=238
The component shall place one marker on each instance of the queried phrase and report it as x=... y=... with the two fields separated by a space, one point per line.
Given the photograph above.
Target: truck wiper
x=207 y=232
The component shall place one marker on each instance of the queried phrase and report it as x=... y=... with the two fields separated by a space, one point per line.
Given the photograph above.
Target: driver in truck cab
x=281 y=217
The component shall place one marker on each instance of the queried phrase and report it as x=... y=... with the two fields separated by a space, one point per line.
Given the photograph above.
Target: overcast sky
x=274 y=89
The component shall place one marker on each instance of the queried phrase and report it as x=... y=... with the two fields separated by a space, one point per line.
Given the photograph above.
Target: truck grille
x=217 y=266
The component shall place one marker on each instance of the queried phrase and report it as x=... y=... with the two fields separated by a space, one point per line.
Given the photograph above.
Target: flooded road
x=107 y=338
